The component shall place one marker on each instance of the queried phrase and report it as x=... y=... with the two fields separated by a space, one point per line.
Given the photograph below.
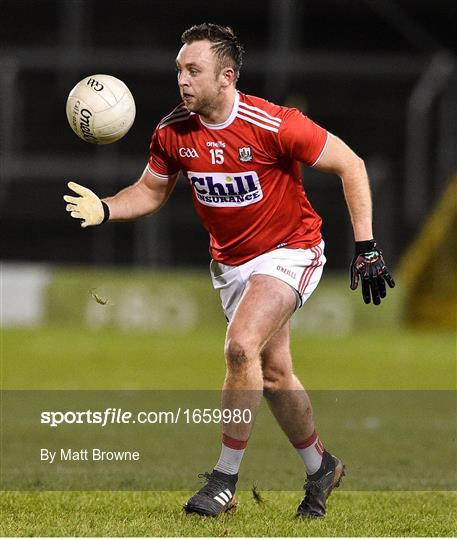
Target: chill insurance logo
x=226 y=189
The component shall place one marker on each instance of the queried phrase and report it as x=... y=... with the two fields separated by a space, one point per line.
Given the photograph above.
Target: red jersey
x=244 y=175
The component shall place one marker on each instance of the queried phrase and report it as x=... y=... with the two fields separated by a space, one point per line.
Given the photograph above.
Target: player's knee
x=239 y=352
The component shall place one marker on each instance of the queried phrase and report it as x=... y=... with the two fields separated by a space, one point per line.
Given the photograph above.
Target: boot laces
x=214 y=485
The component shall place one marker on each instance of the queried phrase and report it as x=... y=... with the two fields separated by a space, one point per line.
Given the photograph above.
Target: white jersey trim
x=257 y=110
x=178 y=117
x=275 y=122
x=323 y=149
x=252 y=121
x=176 y=110
x=180 y=109
x=155 y=173
x=229 y=120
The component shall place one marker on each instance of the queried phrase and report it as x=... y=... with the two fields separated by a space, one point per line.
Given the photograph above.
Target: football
x=100 y=109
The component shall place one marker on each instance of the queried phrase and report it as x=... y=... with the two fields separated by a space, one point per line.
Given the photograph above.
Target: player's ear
x=228 y=76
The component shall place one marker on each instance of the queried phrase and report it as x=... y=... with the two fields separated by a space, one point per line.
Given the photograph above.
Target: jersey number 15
x=217 y=156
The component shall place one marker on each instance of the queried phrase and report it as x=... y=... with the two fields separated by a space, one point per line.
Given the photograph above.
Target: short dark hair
x=225 y=44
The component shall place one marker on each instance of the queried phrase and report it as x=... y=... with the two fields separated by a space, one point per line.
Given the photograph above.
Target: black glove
x=368 y=265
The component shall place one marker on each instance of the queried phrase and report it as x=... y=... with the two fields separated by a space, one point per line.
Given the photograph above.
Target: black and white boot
x=216 y=497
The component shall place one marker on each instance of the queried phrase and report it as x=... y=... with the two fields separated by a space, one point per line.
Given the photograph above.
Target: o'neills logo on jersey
x=226 y=189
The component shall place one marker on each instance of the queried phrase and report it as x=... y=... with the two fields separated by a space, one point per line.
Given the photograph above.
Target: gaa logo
x=226 y=189
x=188 y=152
x=96 y=85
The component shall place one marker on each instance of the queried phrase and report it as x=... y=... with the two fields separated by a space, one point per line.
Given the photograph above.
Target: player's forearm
x=133 y=202
x=339 y=159
x=358 y=198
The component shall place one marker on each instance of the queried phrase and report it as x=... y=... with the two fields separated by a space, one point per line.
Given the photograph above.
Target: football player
x=241 y=157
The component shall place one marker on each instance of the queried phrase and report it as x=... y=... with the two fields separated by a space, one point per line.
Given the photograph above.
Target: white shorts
x=299 y=268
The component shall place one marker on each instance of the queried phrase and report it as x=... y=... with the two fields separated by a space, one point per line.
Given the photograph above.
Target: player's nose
x=182 y=79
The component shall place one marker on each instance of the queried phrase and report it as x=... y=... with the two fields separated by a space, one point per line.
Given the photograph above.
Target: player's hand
x=88 y=207
x=368 y=265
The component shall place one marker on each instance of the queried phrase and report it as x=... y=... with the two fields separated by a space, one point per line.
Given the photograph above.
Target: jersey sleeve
x=300 y=138
x=160 y=162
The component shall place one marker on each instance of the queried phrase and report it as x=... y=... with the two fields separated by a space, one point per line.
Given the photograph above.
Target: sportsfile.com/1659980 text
x=112 y=415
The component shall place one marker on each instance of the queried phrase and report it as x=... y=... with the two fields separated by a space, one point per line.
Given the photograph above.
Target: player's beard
x=205 y=105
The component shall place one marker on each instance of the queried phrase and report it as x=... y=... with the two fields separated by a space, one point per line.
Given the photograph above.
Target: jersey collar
x=229 y=120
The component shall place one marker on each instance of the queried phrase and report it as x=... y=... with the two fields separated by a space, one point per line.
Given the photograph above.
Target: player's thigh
x=266 y=305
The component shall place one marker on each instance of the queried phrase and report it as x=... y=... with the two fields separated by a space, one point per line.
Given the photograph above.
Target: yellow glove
x=88 y=207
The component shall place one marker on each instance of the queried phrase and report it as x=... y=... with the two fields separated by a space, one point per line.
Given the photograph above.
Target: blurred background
x=130 y=306
x=381 y=74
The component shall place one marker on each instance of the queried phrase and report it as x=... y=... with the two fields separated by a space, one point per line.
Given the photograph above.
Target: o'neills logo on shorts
x=226 y=189
x=293 y=275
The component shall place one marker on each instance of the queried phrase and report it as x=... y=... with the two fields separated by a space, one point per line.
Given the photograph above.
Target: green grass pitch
x=73 y=358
